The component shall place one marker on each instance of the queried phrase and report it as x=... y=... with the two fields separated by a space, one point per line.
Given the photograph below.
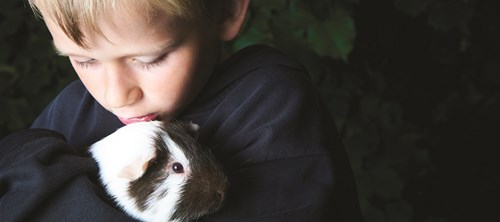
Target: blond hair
x=74 y=16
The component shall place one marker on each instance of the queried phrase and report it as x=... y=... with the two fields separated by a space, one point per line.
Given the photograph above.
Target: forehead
x=121 y=28
x=114 y=24
x=75 y=16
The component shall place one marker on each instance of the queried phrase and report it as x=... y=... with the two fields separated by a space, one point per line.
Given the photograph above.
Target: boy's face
x=142 y=70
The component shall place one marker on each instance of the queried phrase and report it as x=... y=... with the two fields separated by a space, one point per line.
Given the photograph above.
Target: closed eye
x=84 y=63
x=154 y=63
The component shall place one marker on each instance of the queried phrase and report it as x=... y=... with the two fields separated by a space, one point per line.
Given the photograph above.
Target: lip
x=145 y=118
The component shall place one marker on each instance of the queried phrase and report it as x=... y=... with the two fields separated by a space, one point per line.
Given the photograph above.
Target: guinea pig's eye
x=177 y=167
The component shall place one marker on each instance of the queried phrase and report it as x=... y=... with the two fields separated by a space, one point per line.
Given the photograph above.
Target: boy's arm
x=284 y=157
x=43 y=179
x=75 y=114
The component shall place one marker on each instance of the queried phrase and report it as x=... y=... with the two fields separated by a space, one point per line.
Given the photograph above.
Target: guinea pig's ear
x=134 y=169
x=192 y=129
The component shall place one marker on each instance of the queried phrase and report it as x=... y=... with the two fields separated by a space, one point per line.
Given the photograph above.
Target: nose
x=220 y=194
x=121 y=88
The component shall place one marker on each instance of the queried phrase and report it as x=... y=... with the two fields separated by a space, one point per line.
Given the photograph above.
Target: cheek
x=87 y=80
x=92 y=82
x=177 y=79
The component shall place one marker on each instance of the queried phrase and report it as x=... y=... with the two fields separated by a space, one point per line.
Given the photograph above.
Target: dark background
x=412 y=84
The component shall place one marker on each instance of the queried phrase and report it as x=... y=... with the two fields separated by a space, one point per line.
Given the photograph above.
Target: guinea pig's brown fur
x=159 y=172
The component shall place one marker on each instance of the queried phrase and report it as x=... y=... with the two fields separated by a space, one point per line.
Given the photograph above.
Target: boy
x=144 y=59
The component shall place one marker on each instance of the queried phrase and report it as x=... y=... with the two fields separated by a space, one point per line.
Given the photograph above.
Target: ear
x=192 y=129
x=134 y=169
x=230 y=26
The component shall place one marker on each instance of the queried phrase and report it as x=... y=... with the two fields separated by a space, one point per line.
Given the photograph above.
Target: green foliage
x=386 y=71
x=30 y=73
x=333 y=37
x=443 y=15
x=328 y=29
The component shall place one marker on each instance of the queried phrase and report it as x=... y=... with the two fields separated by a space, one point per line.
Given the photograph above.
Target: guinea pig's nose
x=220 y=194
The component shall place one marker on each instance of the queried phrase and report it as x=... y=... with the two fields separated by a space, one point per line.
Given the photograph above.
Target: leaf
x=399 y=211
x=369 y=107
x=373 y=214
x=8 y=76
x=391 y=116
x=452 y=15
x=435 y=219
x=11 y=22
x=251 y=36
x=266 y=4
x=411 y=7
x=386 y=182
x=333 y=37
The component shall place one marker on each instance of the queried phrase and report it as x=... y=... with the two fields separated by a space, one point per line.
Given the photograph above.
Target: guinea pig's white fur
x=125 y=156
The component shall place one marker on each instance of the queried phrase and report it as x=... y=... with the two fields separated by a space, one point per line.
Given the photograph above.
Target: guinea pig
x=157 y=171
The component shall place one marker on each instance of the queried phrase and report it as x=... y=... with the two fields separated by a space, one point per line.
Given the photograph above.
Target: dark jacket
x=259 y=114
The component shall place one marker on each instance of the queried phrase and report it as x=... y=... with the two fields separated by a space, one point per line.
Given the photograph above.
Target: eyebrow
x=166 y=46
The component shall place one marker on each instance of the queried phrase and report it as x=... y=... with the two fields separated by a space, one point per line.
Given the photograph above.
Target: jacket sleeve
x=43 y=179
x=284 y=157
x=78 y=117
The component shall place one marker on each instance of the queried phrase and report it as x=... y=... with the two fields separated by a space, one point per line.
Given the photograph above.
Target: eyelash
x=153 y=64
x=145 y=65
x=85 y=64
